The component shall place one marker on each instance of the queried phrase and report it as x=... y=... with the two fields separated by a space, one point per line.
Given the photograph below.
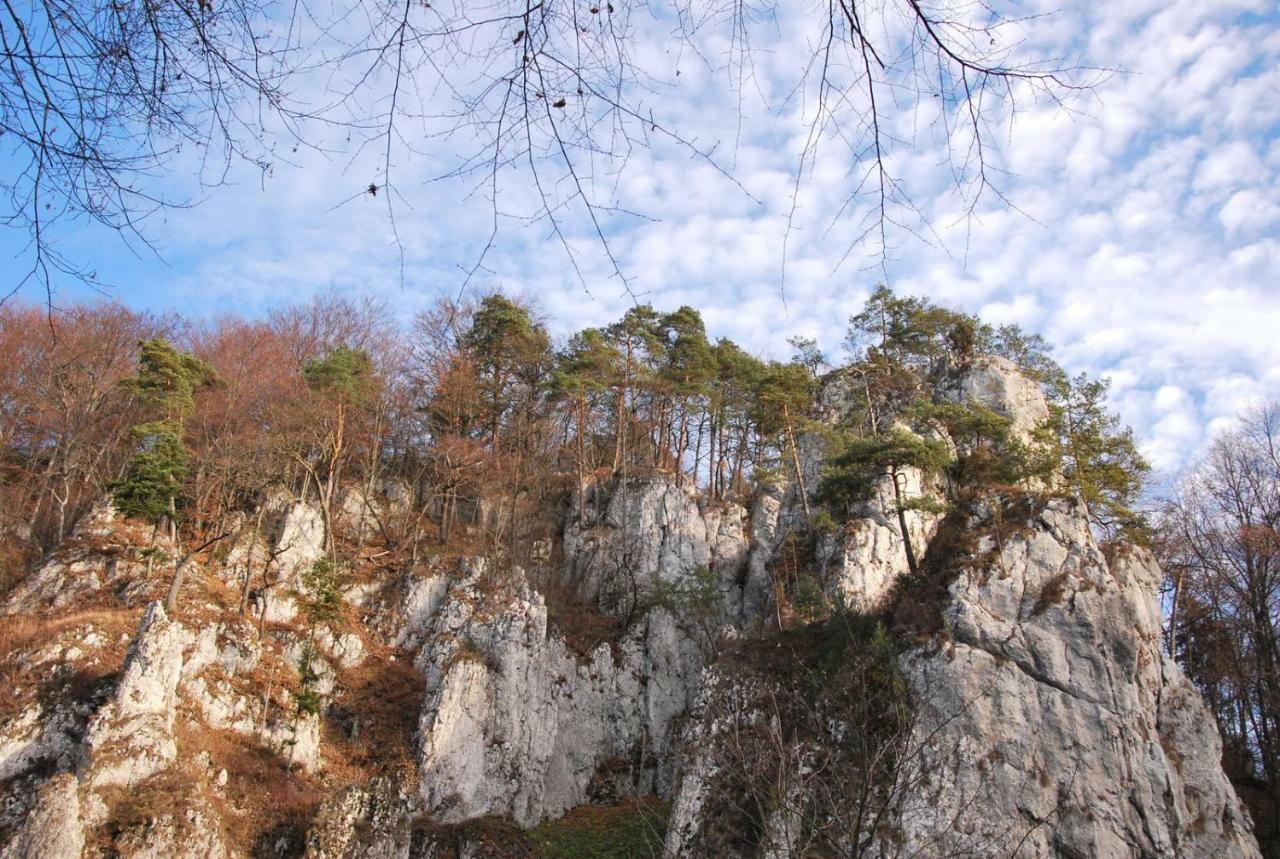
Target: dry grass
x=63 y=682
x=380 y=701
x=264 y=798
x=580 y=622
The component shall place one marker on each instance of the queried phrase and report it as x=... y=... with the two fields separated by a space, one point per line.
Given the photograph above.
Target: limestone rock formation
x=516 y=724
x=1045 y=719
x=1052 y=671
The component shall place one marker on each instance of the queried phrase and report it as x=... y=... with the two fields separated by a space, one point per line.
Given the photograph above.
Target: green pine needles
x=165 y=386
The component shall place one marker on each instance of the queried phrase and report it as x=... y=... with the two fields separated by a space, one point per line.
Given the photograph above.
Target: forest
x=485 y=424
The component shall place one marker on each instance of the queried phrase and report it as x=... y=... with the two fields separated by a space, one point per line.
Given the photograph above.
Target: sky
x=1138 y=231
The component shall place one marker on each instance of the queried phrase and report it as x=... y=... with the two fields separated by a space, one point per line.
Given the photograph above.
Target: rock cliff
x=1030 y=708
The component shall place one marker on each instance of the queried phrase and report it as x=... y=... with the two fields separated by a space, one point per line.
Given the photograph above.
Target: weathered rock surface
x=53 y=829
x=863 y=560
x=1094 y=742
x=516 y=724
x=636 y=537
x=1047 y=720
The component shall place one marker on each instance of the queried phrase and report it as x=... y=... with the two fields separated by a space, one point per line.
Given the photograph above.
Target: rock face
x=1045 y=720
x=649 y=532
x=1053 y=674
x=130 y=741
x=863 y=560
x=996 y=383
x=516 y=724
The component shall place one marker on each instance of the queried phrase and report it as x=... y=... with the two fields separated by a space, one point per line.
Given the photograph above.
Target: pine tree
x=687 y=368
x=508 y=348
x=1100 y=460
x=784 y=397
x=165 y=387
x=853 y=472
x=585 y=368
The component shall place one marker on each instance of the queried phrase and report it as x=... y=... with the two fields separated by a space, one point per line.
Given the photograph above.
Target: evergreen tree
x=807 y=353
x=987 y=452
x=856 y=468
x=155 y=473
x=784 y=397
x=587 y=366
x=637 y=337
x=688 y=364
x=509 y=349
x=914 y=333
x=165 y=387
x=346 y=374
x=731 y=399
x=1100 y=460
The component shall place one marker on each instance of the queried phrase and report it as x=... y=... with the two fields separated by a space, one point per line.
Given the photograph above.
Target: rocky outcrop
x=370 y=822
x=1047 y=720
x=996 y=383
x=862 y=560
x=1044 y=719
x=1055 y=724
x=53 y=829
x=131 y=738
x=130 y=742
x=624 y=541
x=516 y=724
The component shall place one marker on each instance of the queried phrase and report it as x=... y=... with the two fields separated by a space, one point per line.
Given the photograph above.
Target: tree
x=688 y=364
x=858 y=465
x=165 y=386
x=784 y=396
x=508 y=349
x=99 y=95
x=808 y=353
x=585 y=368
x=732 y=401
x=987 y=452
x=637 y=337
x=1100 y=460
x=345 y=382
x=1219 y=542
x=914 y=333
x=65 y=420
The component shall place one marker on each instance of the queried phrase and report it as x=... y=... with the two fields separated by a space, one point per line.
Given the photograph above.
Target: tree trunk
x=795 y=460
x=902 y=523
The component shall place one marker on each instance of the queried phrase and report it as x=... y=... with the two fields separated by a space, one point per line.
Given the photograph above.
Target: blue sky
x=1146 y=245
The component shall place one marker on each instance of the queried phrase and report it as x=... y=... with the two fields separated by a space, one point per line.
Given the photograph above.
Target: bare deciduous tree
x=1220 y=549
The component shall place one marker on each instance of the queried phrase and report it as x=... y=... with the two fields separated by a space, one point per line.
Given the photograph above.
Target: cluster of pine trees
x=486 y=419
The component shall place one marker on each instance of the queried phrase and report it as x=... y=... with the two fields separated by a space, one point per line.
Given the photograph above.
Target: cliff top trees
x=1098 y=456
x=904 y=345
x=344 y=384
x=511 y=354
x=165 y=385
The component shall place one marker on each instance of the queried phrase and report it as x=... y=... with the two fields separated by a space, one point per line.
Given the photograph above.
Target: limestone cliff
x=1038 y=716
